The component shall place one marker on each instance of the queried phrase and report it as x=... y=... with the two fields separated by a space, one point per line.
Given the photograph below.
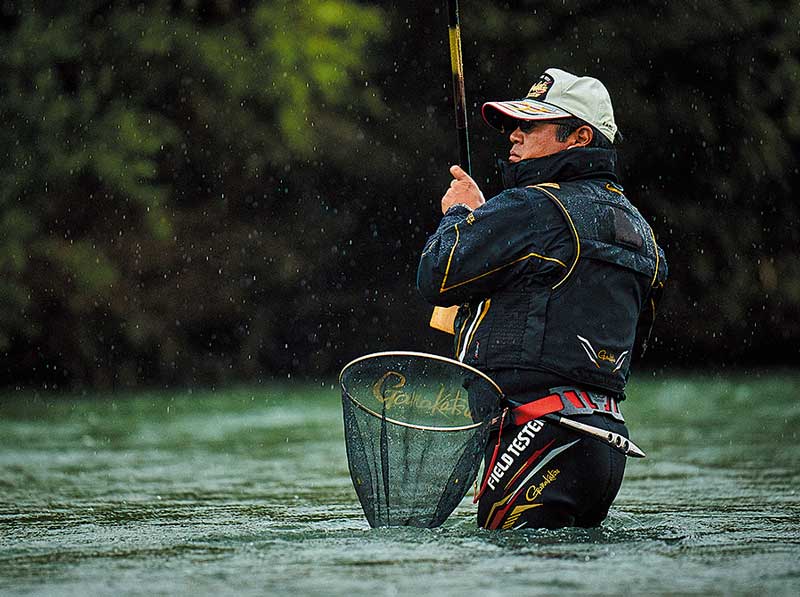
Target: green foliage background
x=201 y=192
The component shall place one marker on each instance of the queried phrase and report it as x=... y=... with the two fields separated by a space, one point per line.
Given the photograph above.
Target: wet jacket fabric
x=558 y=276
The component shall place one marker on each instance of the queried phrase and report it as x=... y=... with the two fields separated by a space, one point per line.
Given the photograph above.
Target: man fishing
x=557 y=278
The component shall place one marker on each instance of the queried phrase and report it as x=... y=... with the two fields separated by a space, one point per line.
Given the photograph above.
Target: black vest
x=583 y=326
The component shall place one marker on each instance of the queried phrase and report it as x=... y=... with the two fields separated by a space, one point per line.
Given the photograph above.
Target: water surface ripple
x=246 y=492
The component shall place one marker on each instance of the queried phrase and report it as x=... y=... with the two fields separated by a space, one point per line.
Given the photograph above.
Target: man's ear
x=581 y=137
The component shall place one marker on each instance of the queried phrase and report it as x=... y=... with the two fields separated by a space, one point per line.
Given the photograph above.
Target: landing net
x=415 y=430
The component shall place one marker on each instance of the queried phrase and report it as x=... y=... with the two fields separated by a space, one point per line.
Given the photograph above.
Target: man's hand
x=462 y=190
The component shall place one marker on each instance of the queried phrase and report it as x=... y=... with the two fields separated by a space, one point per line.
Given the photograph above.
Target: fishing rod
x=459 y=95
x=443 y=318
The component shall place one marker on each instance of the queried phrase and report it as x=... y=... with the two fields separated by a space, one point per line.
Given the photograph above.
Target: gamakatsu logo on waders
x=514 y=449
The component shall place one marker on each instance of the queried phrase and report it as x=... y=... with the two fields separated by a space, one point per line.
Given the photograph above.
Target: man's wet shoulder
x=535 y=198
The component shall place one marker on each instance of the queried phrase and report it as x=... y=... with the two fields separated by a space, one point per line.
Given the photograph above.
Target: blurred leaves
x=147 y=144
x=209 y=190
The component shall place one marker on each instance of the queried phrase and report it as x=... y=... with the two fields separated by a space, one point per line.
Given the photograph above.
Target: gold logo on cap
x=541 y=87
x=538 y=89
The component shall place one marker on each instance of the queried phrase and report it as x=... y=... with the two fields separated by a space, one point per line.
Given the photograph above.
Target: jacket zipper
x=480 y=312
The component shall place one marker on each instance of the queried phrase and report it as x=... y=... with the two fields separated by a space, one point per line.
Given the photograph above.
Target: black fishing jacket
x=558 y=276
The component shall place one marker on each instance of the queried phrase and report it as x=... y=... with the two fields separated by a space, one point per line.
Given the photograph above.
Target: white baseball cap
x=558 y=94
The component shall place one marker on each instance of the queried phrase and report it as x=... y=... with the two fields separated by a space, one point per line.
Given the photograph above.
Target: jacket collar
x=572 y=164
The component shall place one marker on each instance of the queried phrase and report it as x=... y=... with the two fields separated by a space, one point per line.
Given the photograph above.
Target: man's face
x=539 y=142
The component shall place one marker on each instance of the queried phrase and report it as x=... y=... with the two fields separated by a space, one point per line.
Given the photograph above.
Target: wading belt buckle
x=566 y=401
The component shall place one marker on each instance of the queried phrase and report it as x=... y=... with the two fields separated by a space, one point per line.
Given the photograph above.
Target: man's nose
x=515 y=136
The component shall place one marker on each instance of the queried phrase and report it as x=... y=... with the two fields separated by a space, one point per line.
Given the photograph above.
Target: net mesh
x=415 y=430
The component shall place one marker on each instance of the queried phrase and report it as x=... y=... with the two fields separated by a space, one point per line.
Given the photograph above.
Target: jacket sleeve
x=516 y=237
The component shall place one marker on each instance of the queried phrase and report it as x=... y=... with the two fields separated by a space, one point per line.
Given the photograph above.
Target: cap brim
x=498 y=114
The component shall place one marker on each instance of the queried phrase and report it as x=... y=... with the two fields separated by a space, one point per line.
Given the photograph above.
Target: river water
x=247 y=492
